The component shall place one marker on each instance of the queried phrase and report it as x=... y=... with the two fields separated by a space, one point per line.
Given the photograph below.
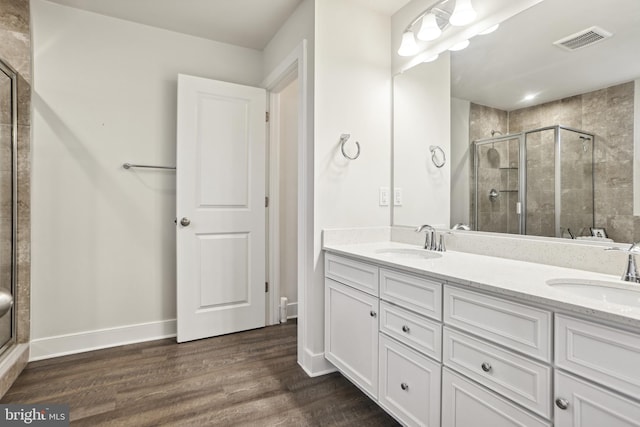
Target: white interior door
x=220 y=208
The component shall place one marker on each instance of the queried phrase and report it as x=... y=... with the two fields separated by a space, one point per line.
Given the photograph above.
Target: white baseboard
x=62 y=345
x=314 y=364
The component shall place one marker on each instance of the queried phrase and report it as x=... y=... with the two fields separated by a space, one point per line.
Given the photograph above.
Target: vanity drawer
x=516 y=377
x=607 y=355
x=409 y=384
x=513 y=325
x=356 y=274
x=411 y=329
x=415 y=293
x=466 y=404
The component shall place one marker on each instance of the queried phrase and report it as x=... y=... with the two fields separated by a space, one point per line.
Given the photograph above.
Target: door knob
x=185 y=221
x=486 y=366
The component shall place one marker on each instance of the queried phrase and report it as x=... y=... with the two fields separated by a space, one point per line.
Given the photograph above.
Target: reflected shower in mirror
x=537 y=182
x=516 y=80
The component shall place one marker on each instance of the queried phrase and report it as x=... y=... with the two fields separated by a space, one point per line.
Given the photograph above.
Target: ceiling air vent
x=583 y=38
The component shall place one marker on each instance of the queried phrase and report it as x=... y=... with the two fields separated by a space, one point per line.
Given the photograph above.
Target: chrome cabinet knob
x=486 y=366
x=185 y=221
x=405 y=328
x=373 y=313
x=562 y=403
x=404 y=386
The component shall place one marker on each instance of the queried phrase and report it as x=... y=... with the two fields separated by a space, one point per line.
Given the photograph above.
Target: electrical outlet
x=384 y=196
x=397 y=197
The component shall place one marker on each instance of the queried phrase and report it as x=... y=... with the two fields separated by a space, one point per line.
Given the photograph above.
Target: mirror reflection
x=552 y=126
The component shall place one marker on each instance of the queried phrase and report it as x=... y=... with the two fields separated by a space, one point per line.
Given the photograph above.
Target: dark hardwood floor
x=249 y=378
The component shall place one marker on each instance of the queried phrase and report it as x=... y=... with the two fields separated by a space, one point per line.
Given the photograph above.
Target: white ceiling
x=499 y=69
x=247 y=23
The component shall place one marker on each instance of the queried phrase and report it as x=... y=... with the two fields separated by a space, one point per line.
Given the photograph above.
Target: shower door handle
x=185 y=222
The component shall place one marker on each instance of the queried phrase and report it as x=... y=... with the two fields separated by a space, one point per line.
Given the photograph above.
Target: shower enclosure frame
x=13 y=75
x=522 y=173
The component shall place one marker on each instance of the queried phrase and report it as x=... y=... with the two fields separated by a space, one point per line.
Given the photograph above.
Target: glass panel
x=498 y=186
x=540 y=172
x=576 y=177
x=6 y=199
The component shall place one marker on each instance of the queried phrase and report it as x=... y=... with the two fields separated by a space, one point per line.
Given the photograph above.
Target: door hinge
x=266 y=116
x=266 y=202
x=266 y=286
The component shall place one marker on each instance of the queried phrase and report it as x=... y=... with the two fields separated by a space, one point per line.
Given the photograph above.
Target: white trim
x=297 y=59
x=62 y=345
x=315 y=364
x=273 y=272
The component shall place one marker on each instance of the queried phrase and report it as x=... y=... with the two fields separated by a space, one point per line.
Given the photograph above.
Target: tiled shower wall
x=15 y=49
x=607 y=113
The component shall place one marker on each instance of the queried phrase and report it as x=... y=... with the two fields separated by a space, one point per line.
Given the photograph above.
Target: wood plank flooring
x=244 y=379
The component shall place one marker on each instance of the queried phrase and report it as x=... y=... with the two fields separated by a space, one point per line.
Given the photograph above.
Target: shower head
x=493 y=132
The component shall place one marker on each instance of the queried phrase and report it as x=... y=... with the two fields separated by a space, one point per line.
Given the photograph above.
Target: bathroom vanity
x=458 y=339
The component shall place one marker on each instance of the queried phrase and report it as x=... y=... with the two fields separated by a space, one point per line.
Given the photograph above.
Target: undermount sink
x=399 y=253
x=624 y=293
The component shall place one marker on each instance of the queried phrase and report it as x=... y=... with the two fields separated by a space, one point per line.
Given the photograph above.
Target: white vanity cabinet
x=351 y=321
x=434 y=354
x=382 y=331
x=608 y=360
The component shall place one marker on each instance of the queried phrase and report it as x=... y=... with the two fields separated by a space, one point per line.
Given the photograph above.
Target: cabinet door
x=351 y=334
x=582 y=404
x=466 y=404
x=409 y=384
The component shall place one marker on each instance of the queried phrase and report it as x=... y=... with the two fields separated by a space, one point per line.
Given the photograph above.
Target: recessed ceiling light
x=529 y=97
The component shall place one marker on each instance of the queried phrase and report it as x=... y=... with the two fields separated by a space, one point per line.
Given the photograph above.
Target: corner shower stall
x=536 y=182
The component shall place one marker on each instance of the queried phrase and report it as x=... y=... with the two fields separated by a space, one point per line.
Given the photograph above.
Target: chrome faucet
x=631 y=272
x=430 y=239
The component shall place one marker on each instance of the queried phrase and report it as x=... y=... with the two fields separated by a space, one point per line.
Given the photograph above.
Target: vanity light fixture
x=433 y=21
x=463 y=13
x=430 y=30
x=408 y=47
x=459 y=46
x=431 y=58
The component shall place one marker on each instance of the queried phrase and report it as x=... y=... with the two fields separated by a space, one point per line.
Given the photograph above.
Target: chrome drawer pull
x=486 y=366
x=373 y=313
x=562 y=403
x=405 y=328
x=404 y=386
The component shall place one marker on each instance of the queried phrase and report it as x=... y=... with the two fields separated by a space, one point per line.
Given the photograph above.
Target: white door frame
x=294 y=65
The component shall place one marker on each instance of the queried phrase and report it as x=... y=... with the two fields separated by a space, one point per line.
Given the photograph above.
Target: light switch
x=397 y=197
x=384 y=196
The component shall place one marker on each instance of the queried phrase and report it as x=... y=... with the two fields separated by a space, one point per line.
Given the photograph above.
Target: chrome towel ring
x=343 y=140
x=434 y=156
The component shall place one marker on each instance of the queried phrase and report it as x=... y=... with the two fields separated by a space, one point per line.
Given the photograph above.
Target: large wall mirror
x=541 y=134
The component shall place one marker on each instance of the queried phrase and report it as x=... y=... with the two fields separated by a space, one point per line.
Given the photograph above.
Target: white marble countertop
x=526 y=281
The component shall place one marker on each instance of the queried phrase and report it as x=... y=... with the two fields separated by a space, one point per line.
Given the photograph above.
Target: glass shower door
x=576 y=182
x=497 y=182
x=540 y=200
x=8 y=129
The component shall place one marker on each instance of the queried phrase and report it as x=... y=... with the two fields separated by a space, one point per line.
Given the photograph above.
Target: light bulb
x=431 y=58
x=462 y=14
x=408 y=47
x=459 y=46
x=429 y=29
